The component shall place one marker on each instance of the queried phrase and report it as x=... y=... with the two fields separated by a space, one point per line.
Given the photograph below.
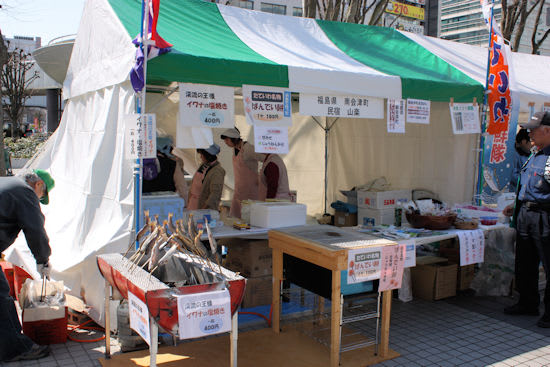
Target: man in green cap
x=20 y=199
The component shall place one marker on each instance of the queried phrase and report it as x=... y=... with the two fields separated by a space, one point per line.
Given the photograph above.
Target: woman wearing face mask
x=207 y=184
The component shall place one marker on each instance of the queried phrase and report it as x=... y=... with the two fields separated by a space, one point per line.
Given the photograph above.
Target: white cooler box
x=382 y=199
x=375 y=217
x=277 y=214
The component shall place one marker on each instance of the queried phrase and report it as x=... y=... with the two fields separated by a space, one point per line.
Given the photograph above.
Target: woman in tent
x=207 y=185
x=245 y=169
x=274 y=178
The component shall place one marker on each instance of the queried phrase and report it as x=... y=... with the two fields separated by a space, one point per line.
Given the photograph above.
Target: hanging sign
x=392 y=262
x=273 y=140
x=405 y=10
x=203 y=314
x=141 y=136
x=472 y=246
x=418 y=111
x=204 y=105
x=396 y=116
x=465 y=118
x=364 y=264
x=410 y=253
x=139 y=317
x=267 y=106
x=341 y=106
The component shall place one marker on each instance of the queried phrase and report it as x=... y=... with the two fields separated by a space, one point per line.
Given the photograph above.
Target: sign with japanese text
x=410 y=253
x=418 y=111
x=402 y=24
x=392 y=262
x=272 y=140
x=141 y=136
x=139 y=317
x=364 y=264
x=405 y=10
x=472 y=246
x=204 y=105
x=203 y=314
x=267 y=106
x=396 y=116
x=341 y=106
x=465 y=118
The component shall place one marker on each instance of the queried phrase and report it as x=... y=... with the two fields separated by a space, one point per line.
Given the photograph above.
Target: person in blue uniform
x=522 y=152
x=533 y=223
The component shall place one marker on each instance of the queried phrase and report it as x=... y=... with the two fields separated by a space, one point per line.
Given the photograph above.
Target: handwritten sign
x=203 y=314
x=272 y=140
x=364 y=264
x=465 y=118
x=393 y=260
x=418 y=111
x=204 y=105
x=141 y=136
x=267 y=106
x=139 y=317
x=341 y=106
x=472 y=246
x=396 y=116
x=410 y=253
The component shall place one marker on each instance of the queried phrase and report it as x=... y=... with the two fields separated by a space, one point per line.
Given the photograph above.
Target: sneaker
x=518 y=309
x=544 y=321
x=36 y=352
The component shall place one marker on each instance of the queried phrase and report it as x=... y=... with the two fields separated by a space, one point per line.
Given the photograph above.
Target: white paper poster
x=472 y=246
x=410 y=253
x=465 y=118
x=267 y=106
x=272 y=140
x=203 y=314
x=392 y=262
x=418 y=111
x=204 y=105
x=141 y=135
x=139 y=317
x=364 y=264
x=193 y=137
x=396 y=116
x=341 y=106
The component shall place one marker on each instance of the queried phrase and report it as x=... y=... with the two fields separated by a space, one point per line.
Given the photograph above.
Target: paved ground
x=460 y=331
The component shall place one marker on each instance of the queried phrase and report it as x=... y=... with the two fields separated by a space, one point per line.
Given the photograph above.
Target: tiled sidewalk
x=461 y=331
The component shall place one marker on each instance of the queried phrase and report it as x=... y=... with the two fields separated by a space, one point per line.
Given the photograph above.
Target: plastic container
x=488 y=221
x=46 y=332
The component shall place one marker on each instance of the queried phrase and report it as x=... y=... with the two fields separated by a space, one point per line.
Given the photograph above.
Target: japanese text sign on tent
x=418 y=111
x=465 y=118
x=396 y=116
x=472 y=246
x=203 y=314
x=341 y=106
x=139 y=317
x=272 y=140
x=141 y=136
x=392 y=262
x=364 y=264
x=267 y=106
x=203 y=105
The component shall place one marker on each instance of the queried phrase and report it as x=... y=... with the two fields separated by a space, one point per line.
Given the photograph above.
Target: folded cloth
x=344 y=207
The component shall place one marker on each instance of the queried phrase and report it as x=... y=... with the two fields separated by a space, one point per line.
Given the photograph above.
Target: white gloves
x=44 y=270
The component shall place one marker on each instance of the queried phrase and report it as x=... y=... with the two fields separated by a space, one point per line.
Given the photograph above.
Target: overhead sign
x=465 y=118
x=204 y=105
x=405 y=10
x=139 y=317
x=273 y=140
x=140 y=135
x=267 y=106
x=341 y=106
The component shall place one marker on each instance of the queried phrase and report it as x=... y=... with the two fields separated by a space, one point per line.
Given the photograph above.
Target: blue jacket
x=520 y=157
x=535 y=178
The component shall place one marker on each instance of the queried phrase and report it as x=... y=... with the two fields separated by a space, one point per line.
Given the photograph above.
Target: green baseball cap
x=48 y=181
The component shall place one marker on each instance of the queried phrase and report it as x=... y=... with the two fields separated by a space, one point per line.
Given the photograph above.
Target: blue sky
x=40 y=18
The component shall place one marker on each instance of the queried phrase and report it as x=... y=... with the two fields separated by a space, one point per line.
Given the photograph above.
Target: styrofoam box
x=382 y=199
x=277 y=214
x=375 y=217
x=162 y=205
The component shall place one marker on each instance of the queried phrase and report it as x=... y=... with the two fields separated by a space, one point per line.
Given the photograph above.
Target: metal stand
x=234 y=336
x=107 y=320
x=154 y=346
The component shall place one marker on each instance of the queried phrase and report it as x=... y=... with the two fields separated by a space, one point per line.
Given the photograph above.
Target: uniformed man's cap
x=231 y=133
x=538 y=119
x=48 y=182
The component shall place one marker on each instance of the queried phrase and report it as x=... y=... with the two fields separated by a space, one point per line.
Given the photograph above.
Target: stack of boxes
x=378 y=207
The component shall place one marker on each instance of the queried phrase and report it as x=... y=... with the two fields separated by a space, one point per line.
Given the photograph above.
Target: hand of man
x=44 y=270
x=509 y=210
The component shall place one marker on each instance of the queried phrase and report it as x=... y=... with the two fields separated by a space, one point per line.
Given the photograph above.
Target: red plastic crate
x=46 y=331
x=7 y=268
x=19 y=278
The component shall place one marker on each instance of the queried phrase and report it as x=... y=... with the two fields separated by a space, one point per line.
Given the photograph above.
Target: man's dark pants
x=532 y=247
x=12 y=341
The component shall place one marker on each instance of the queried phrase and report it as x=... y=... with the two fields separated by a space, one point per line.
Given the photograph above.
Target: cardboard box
x=382 y=199
x=250 y=258
x=465 y=277
x=345 y=219
x=433 y=278
x=375 y=217
x=450 y=250
x=258 y=292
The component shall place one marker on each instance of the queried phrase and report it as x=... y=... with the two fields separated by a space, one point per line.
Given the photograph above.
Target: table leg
x=107 y=320
x=234 y=336
x=336 y=319
x=385 y=328
x=277 y=280
x=154 y=346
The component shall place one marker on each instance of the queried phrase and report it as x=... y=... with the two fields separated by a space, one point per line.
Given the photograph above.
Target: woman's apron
x=246 y=184
x=195 y=191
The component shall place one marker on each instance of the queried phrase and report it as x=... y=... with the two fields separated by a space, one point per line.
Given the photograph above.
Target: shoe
x=544 y=321
x=518 y=309
x=36 y=352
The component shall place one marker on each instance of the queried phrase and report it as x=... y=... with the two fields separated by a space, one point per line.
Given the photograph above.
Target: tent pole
x=326 y=129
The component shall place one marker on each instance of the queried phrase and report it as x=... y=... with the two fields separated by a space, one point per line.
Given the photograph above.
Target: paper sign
x=410 y=253
x=418 y=111
x=391 y=275
x=341 y=106
x=364 y=264
x=141 y=136
x=396 y=116
x=271 y=139
x=465 y=118
x=139 y=317
x=472 y=246
x=203 y=314
x=204 y=105
x=267 y=106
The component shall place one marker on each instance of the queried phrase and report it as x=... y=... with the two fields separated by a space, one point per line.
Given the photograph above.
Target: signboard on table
x=410 y=253
x=272 y=140
x=364 y=264
x=472 y=246
x=405 y=10
x=204 y=105
x=139 y=317
x=140 y=135
x=465 y=118
x=267 y=106
x=418 y=111
x=392 y=262
x=331 y=105
x=204 y=314
x=396 y=116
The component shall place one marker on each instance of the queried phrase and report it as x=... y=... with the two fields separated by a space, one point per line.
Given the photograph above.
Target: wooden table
x=293 y=242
